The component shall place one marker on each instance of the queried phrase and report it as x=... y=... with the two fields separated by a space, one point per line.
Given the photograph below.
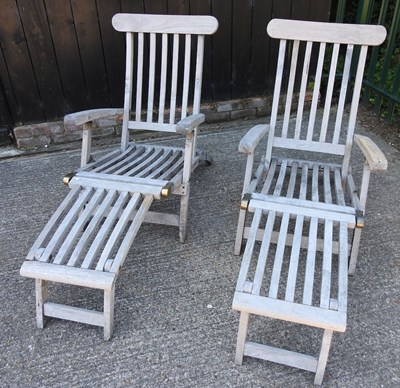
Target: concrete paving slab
x=174 y=326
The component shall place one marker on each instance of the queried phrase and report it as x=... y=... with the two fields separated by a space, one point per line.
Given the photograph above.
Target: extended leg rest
x=85 y=243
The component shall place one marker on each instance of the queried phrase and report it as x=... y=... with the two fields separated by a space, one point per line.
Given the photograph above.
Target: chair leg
x=109 y=297
x=241 y=337
x=323 y=356
x=354 y=251
x=183 y=217
x=239 y=232
x=41 y=296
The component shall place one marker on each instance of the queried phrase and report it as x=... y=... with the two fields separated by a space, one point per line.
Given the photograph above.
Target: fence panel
x=60 y=56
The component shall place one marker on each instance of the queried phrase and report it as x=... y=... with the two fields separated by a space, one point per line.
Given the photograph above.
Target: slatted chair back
x=164 y=68
x=311 y=57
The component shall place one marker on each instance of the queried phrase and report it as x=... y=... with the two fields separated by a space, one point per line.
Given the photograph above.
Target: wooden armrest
x=86 y=116
x=373 y=155
x=189 y=123
x=251 y=139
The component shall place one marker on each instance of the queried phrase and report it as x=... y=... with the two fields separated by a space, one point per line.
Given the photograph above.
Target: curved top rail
x=170 y=24
x=357 y=34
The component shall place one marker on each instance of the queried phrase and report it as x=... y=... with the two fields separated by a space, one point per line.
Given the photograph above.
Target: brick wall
x=45 y=134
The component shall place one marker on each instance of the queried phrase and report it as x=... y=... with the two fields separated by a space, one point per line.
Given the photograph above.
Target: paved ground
x=174 y=326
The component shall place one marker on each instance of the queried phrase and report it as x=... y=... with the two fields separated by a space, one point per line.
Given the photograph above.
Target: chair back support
x=164 y=68
x=311 y=57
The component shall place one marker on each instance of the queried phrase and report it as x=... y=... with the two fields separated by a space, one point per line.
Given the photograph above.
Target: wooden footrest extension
x=85 y=243
x=302 y=279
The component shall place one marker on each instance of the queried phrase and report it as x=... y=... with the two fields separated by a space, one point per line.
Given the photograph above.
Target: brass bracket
x=67 y=178
x=244 y=203
x=166 y=190
x=360 y=219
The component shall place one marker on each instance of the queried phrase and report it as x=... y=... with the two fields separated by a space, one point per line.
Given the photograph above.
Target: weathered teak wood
x=88 y=238
x=307 y=212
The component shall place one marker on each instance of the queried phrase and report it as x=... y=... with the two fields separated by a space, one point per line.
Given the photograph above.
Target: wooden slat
x=280 y=179
x=310 y=263
x=303 y=88
x=313 y=146
x=163 y=80
x=117 y=185
x=114 y=160
x=198 y=77
x=65 y=225
x=323 y=32
x=68 y=275
x=327 y=186
x=289 y=92
x=105 y=229
x=139 y=78
x=157 y=162
x=339 y=188
x=327 y=265
x=269 y=177
x=172 y=24
x=125 y=166
x=329 y=93
x=150 y=126
x=271 y=201
x=251 y=239
x=152 y=67
x=343 y=92
x=342 y=274
x=174 y=157
x=305 y=211
x=131 y=233
x=315 y=184
x=78 y=226
x=52 y=223
x=186 y=75
x=280 y=250
x=288 y=311
x=117 y=232
x=316 y=92
x=281 y=356
x=78 y=252
x=263 y=255
x=294 y=260
x=75 y=314
x=174 y=79
x=145 y=162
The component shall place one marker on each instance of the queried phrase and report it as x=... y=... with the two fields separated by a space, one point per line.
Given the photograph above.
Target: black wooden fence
x=59 y=56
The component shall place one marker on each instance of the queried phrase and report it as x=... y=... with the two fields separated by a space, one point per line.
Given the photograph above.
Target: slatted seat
x=301 y=211
x=88 y=238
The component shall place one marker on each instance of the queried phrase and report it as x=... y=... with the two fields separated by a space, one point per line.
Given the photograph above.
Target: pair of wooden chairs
x=307 y=211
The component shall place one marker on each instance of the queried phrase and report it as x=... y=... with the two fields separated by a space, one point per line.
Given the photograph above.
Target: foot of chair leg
x=41 y=296
x=183 y=217
x=109 y=297
x=323 y=357
x=241 y=337
x=354 y=251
